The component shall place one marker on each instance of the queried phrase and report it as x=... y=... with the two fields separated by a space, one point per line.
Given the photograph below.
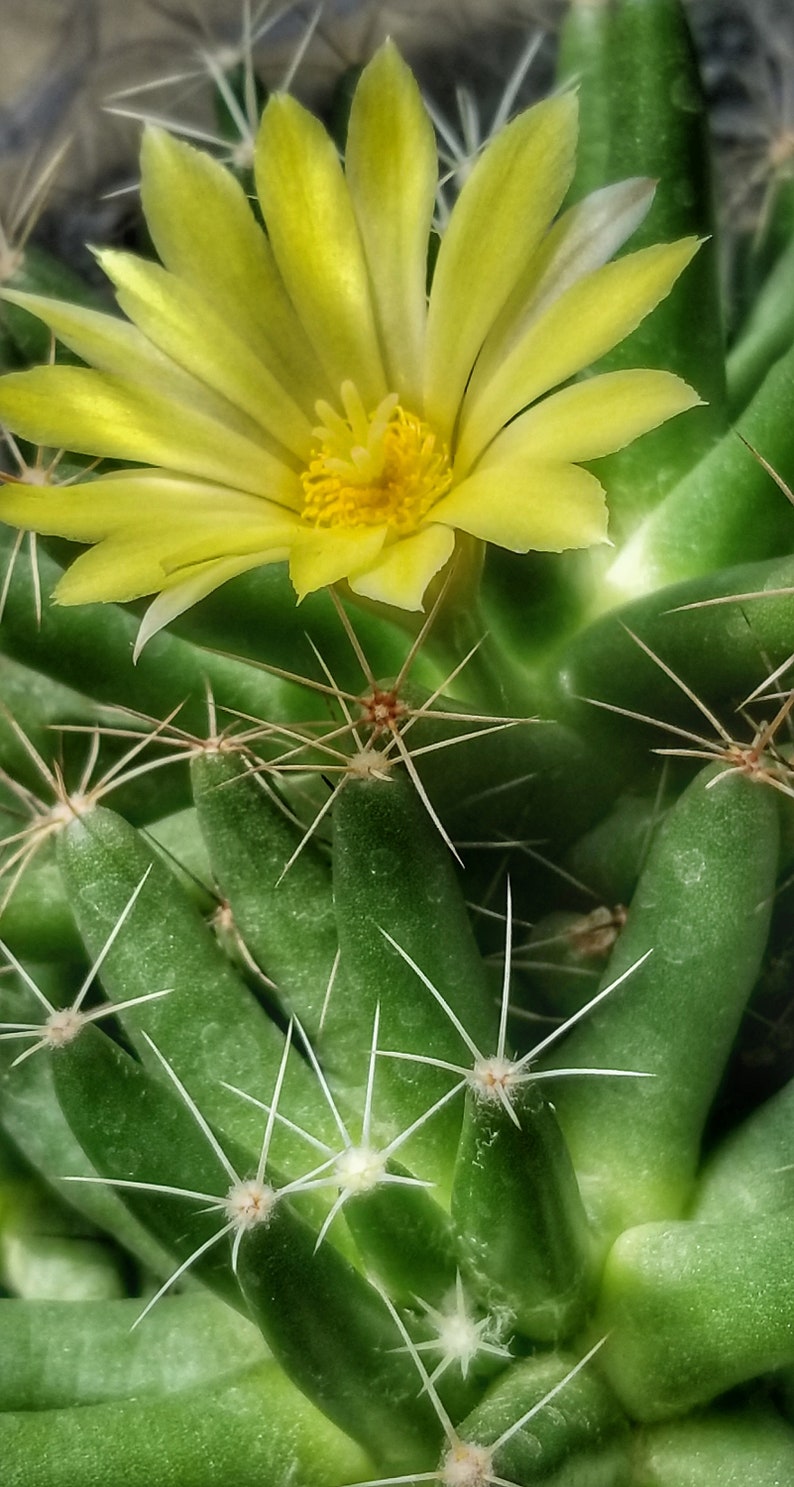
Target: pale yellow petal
x=113 y=345
x=123 y=566
x=391 y=170
x=592 y=418
x=179 y=320
x=582 y=324
x=112 y=416
x=202 y=226
x=524 y=507
x=586 y=236
x=143 y=558
x=127 y=566
x=222 y=538
x=90 y=510
x=499 y=218
x=313 y=233
x=404 y=569
x=184 y=593
x=325 y=555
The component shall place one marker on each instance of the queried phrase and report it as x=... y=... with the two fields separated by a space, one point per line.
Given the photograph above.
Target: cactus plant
x=381 y=909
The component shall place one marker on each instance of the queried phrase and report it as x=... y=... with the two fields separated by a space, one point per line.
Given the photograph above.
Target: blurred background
x=78 y=76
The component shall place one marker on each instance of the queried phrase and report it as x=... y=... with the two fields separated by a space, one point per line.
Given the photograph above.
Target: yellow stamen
x=388 y=467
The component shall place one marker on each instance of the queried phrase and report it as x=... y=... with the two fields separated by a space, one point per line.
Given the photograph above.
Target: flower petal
x=128 y=565
x=404 y=569
x=140 y=559
x=201 y=224
x=123 y=566
x=391 y=170
x=182 y=595
x=112 y=345
x=325 y=555
x=220 y=538
x=90 y=510
x=500 y=216
x=575 y=329
x=112 y=416
x=584 y=238
x=316 y=243
x=592 y=418
x=177 y=319
x=525 y=506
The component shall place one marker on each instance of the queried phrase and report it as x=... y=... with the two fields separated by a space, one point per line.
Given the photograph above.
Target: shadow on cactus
x=308 y=1177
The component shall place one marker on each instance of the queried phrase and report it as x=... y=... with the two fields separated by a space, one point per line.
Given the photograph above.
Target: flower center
x=387 y=467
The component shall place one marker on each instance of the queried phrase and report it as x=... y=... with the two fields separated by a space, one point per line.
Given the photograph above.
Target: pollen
x=369 y=470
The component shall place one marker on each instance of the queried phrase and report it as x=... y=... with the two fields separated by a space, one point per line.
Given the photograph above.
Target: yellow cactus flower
x=296 y=394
